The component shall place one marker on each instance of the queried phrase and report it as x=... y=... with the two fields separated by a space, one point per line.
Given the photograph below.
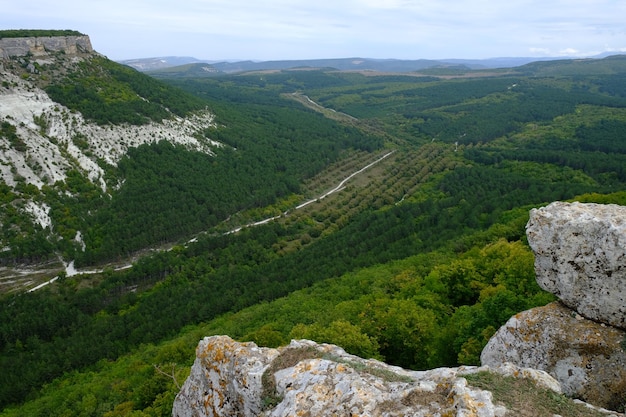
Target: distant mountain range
x=150 y=64
x=344 y=64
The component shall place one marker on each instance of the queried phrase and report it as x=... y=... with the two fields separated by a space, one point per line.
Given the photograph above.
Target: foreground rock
x=580 y=256
x=587 y=358
x=309 y=379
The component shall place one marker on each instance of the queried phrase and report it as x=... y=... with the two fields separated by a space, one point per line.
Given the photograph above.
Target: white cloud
x=569 y=51
x=216 y=29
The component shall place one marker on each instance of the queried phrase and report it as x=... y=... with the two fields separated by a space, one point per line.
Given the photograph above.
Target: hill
x=68 y=115
x=158 y=64
x=416 y=258
x=73 y=126
x=350 y=64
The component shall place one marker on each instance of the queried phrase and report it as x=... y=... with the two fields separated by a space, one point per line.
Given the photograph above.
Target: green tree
x=341 y=333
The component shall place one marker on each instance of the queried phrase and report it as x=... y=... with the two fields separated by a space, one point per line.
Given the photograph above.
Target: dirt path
x=339 y=187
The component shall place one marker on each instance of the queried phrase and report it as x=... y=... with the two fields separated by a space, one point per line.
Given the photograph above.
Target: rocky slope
x=42 y=140
x=47 y=131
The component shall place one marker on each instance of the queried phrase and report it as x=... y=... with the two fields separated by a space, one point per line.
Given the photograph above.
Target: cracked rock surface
x=580 y=256
x=305 y=378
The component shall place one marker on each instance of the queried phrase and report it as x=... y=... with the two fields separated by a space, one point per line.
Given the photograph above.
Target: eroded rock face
x=39 y=46
x=586 y=357
x=50 y=154
x=580 y=256
x=310 y=379
x=225 y=379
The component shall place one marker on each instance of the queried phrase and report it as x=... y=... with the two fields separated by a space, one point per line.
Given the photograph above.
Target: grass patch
x=384 y=374
x=524 y=399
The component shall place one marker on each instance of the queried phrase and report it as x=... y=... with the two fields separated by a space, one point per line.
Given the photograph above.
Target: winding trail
x=339 y=187
x=342 y=183
x=70 y=270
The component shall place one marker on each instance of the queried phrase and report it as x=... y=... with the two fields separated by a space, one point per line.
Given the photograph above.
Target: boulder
x=310 y=379
x=586 y=357
x=580 y=256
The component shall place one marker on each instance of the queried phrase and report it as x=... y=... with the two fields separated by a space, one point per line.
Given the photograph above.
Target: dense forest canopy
x=416 y=261
x=108 y=92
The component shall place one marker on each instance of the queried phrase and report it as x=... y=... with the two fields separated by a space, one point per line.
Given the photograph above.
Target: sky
x=314 y=29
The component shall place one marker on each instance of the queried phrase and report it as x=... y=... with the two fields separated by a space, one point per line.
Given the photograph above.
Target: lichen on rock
x=312 y=379
x=580 y=256
x=586 y=357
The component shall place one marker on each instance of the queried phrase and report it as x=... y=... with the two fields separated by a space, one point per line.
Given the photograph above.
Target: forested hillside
x=416 y=260
x=170 y=191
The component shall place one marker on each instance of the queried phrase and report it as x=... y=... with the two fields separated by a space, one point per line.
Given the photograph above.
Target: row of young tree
x=426 y=310
x=168 y=192
x=419 y=281
x=218 y=274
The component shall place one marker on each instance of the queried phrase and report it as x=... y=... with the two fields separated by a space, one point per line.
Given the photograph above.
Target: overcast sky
x=299 y=29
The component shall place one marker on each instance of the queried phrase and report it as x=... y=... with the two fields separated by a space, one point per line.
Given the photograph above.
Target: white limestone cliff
x=42 y=45
x=50 y=151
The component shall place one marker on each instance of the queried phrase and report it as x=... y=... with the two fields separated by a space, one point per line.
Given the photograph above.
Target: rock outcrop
x=309 y=379
x=586 y=357
x=226 y=379
x=40 y=46
x=580 y=256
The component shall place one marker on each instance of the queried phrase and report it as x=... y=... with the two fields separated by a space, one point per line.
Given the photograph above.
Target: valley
x=18 y=279
x=389 y=216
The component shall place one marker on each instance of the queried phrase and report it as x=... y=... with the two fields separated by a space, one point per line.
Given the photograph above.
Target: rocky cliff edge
x=305 y=378
x=41 y=46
